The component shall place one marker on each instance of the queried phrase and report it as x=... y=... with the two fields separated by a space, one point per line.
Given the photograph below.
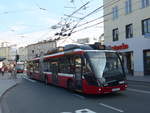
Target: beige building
x=127 y=29
x=37 y=49
x=7 y=53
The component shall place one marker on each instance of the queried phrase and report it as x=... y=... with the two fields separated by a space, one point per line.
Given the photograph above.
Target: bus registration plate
x=115 y=89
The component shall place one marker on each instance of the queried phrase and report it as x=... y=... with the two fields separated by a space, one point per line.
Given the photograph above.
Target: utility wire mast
x=66 y=28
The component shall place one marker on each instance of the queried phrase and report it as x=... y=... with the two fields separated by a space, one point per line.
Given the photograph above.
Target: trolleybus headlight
x=100 y=89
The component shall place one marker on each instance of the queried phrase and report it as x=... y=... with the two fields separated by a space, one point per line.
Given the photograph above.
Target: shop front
x=129 y=62
x=127 y=58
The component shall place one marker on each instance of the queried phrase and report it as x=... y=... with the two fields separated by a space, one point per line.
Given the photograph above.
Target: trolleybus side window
x=30 y=65
x=70 y=64
x=50 y=66
x=47 y=66
x=86 y=67
x=63 y=65
x=78 y=72
x=78 y=64
x=88 y=73
x=54 y=66
x=35 y=66
x=66 y=64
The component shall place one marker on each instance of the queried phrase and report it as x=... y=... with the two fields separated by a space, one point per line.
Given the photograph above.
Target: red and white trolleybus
x=90 y=69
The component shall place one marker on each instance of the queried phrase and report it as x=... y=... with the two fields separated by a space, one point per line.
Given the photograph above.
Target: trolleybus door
x=78 y=73
x=41 y=68
x=55 y=72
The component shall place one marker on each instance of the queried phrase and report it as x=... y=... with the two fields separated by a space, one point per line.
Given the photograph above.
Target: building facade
x=22 y=52
x=40 y=48
x=127 y=30
x=5 y=52
x=8 y=53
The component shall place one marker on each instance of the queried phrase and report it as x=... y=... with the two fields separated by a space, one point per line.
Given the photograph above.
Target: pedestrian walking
x=13 y=72
x=3 y=71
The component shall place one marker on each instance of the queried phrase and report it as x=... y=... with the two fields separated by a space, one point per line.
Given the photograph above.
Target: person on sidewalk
x=13 y=72
x=3 y=70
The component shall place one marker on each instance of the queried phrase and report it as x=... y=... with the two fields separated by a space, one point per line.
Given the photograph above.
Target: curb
x=8 y=89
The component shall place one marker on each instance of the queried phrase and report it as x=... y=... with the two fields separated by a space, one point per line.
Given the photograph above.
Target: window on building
x=145 y=3
x=115 y=34
x=129 y=31
x=128 y=6
x=115 y=12
x=146 y=27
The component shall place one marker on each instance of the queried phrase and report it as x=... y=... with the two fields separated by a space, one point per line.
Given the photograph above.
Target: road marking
x=66 y=112
x=79 y=96
x=110 y=107
x=84 y=111
x=139 y=91
x=29 y=79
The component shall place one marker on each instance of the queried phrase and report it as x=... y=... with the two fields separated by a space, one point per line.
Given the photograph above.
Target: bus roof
x=75 y=51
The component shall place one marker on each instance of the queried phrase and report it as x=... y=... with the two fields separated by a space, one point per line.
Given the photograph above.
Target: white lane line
x=29 y=79
x=112 y=108
x=66 y=112
x=81 y=97
x=84 y=111
x=139 y=91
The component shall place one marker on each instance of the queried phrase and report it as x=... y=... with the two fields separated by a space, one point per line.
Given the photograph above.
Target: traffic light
x=17 y=58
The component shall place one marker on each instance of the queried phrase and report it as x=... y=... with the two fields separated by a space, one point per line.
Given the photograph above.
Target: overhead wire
x=68 y=16
x=108 y=14
x=93 y=20
x=93 y=25
x=75 y=26
x=79 y=8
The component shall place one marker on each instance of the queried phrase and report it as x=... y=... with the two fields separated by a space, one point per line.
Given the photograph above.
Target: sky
x=24 y=22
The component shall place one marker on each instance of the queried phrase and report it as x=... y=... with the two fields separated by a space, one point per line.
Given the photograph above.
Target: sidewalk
x=6 y=83
x=145 y=79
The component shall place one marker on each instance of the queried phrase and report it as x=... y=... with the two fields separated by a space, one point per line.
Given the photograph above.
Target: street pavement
x=7 y=81
x=31 y=96
x=145 y=79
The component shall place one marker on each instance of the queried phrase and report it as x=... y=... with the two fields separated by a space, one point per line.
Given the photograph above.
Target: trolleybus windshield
x=105 y=64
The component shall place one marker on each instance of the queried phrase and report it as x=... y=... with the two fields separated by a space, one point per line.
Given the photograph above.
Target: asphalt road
x=35 y=97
